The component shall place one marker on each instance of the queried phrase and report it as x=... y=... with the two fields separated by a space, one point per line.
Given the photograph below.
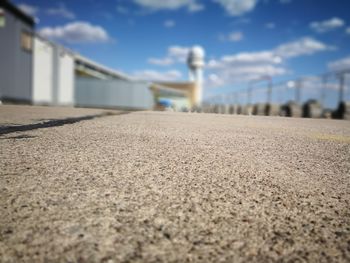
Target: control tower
x=195 y=63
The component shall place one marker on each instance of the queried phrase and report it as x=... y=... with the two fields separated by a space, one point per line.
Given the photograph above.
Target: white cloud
x=154 y=75
x=195 y=7
x=29 y=9
x=245 y=58
x=242 y=67
x=169 y=23
x=347 y=31
x=340 y=64
x=240 y=74
x=178 y=53
x=246 y=66
x=232 y=37
x=235 y=36
x=161 y=61
x=303 y=46
x=61 y=11
x=270 y=25
x=237 y=7
x=175 y=54
x=214 y=80
x=76 y=32
x=327 y=25
x=155 y=5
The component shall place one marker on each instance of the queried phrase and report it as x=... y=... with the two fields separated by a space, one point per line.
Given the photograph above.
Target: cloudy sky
x=243 y=39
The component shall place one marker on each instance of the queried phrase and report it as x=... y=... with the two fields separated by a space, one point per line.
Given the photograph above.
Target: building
x=40 y=72
x=196 y=63
x=53 y=74
x=16 y=53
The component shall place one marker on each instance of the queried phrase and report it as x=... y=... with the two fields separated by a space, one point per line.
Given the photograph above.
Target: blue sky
x=243 y=39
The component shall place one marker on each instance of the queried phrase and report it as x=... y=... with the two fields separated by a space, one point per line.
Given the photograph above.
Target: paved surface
x=175 y=187
x=12 y=115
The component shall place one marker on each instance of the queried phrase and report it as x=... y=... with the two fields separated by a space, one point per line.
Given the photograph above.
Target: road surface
x=85 y=185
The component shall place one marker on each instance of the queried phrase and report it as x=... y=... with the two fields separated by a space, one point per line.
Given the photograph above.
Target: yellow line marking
x=330 y=137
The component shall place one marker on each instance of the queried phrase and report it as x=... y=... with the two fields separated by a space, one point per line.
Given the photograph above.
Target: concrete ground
x=172 y=187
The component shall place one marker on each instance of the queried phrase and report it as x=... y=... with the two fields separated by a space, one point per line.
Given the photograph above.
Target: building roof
x=96 y=66
x=17 y=12
x=85 y=64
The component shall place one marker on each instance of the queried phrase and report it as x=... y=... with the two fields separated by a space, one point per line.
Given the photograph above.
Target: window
x=26 y=41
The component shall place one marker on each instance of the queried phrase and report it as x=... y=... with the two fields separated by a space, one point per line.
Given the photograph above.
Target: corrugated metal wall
x=114 y=93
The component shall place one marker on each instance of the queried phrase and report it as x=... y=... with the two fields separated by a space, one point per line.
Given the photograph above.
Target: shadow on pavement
x=19 y=137
x=6 y=129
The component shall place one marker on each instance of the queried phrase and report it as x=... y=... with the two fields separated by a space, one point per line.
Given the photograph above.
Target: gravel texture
x=174 y=187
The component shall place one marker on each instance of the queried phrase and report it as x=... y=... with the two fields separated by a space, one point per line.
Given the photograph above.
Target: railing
x=327 y=92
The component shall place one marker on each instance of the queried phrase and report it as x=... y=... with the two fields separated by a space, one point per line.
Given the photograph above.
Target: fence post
x=298 y=91
x=269 y=91
x=324 y=88
x=341 y=86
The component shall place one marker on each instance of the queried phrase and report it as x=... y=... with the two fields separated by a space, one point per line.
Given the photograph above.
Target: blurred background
x=260 y=57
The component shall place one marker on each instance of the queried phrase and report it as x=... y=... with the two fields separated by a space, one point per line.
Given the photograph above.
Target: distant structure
x=187 y=94
x=195 y=63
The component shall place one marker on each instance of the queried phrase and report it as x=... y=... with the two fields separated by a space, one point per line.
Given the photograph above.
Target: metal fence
x=328 y=89
x=326 y=93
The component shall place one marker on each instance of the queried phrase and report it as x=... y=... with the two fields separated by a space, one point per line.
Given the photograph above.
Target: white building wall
x=53 y=76
x=65 y=94
x=15 y=62
x=43 y=72
x=198 y=79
